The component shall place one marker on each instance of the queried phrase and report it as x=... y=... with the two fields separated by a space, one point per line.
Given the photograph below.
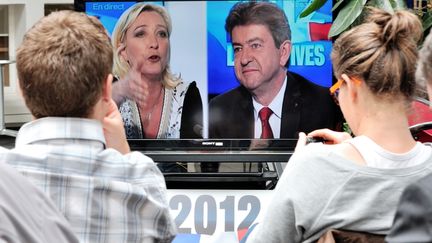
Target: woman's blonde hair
x=382 y=51
x=121 y=67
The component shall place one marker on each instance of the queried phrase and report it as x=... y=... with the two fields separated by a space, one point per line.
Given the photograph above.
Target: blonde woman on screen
x=153 y=102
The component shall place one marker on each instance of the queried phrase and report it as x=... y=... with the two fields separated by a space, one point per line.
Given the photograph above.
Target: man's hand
x=330 y=137
x=114 y=132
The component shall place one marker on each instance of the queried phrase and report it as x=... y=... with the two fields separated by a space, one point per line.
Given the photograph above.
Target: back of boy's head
x=63 y=63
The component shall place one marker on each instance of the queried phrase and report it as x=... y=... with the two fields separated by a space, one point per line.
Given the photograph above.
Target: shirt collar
x=275 y=105
x=50 y=128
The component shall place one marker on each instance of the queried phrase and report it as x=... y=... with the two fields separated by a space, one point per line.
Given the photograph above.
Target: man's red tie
x=264 y=115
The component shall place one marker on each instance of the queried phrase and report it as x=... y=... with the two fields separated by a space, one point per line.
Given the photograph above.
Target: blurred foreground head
x=424 y=68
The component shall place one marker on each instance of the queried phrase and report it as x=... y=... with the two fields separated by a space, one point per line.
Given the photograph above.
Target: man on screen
x=271 y=102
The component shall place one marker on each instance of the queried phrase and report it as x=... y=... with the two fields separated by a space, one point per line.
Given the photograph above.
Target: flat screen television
x=201 y=49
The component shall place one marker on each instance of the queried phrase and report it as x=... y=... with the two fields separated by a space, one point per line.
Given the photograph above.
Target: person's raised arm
x=114 y=132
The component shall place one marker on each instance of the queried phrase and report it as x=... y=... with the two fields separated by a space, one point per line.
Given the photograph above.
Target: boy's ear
x=107 y=89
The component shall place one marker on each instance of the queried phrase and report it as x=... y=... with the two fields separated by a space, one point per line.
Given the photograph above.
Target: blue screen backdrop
x=310 y=54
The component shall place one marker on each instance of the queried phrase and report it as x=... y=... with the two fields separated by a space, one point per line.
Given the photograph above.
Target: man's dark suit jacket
x=306 y=107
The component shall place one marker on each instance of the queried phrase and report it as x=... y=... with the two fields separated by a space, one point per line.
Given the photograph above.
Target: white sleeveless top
x=375 y=156
x=171 y=114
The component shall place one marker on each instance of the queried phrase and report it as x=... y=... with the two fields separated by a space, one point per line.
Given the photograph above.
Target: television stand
x=221 y=151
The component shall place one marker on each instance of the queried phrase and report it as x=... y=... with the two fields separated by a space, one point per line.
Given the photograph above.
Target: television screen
x=201 y=49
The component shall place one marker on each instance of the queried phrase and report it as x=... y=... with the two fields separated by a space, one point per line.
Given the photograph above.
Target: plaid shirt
x=106 y=196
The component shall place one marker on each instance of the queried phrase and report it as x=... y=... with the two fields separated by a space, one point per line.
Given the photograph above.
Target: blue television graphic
x=310 y=54
x=109 y=12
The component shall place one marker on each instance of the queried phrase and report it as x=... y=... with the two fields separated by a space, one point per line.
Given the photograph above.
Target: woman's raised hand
x=137 y=88
x=132 y=86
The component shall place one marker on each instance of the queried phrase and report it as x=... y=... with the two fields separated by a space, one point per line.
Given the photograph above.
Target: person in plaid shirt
x=75 y=149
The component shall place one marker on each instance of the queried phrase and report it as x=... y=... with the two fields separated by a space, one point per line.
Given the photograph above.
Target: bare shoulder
x=349 y=152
